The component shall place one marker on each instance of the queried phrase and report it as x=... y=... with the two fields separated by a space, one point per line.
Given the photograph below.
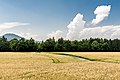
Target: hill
x=11 y=36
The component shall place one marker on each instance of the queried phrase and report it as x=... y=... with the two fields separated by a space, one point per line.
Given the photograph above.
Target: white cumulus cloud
x=109 y=32
x=78 y=31
x=101 y=13
x=29 y=35
x=9 y=25
x=57 y=34
x=75 y=27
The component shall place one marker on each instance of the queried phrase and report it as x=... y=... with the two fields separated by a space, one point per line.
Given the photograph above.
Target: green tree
x=30 y=45
x=59 y=45
x=48 y=45
x=67 y=45
x=95 y=45
x=13 y=44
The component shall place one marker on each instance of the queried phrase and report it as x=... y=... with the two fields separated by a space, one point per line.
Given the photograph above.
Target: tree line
x=60 y=45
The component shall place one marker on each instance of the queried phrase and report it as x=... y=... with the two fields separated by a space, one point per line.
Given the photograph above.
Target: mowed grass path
x=111 y=57
x=59 y=66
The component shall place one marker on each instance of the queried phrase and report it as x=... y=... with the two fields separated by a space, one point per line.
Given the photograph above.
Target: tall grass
x=47 y=66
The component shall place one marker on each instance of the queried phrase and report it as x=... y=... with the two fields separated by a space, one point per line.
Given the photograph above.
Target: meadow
x=60 y=66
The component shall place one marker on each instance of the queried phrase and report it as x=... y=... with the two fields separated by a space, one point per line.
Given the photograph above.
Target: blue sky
x=46 y=16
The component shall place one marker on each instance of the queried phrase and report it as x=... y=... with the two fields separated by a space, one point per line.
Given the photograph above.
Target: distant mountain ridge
x=11 y=36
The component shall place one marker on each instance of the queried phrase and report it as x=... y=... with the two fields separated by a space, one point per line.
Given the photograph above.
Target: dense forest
x=61 y=45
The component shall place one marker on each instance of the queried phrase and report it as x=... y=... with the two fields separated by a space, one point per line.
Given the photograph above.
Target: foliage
x=60 y=45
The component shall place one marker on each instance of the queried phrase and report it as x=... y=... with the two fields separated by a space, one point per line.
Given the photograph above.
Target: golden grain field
x=59 y=66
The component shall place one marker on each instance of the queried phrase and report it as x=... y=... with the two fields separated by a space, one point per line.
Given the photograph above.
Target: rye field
x=60 y=66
